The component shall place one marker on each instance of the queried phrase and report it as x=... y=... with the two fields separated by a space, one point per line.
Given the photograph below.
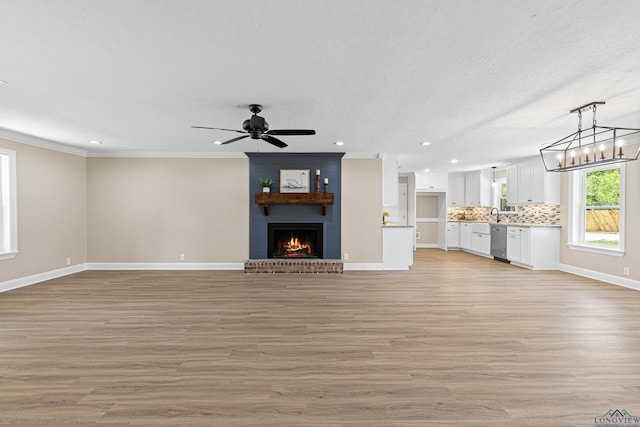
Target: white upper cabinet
x=512 y=185
x=477 y=188
x=436 y=182
x=525 y=184
x=530 y=184
x=455 y=190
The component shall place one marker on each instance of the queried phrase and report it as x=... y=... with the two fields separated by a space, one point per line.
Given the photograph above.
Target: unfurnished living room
x=319 y=213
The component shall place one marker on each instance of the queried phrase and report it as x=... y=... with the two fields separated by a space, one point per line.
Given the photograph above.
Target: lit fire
x=295 y=248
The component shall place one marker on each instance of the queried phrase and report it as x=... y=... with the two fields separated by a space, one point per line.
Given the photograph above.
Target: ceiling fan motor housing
x=255 y=125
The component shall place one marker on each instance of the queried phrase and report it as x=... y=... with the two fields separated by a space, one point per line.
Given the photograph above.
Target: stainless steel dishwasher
x=499 y=242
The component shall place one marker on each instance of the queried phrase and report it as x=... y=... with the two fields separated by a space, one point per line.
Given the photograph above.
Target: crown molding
x=40 y=142
x=361 y=155
x=168 y=154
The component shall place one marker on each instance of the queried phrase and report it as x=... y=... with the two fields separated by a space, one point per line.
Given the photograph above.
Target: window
x=500 y=197
x=8 y=219
x=597 y=210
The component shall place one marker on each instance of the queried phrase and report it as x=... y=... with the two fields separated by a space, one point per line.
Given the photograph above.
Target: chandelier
x=591 y=147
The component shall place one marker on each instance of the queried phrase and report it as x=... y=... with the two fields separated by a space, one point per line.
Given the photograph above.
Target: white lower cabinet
x=453 y=235
x=397 y=247
x=481 y=243
x=537 y=248
x=518 y=245
x=465 y=235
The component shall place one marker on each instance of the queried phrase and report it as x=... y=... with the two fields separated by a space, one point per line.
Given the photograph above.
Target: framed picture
x=294 y=180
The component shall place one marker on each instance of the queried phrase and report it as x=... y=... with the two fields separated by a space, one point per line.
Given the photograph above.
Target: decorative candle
x=601 y=151
x=317 y=171
x=326 y=180
x=620 y=153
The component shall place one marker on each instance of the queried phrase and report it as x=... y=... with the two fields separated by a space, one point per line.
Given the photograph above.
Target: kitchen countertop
x=513 y=224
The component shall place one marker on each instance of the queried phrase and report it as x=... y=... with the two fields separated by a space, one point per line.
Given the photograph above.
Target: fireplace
x=294 y=240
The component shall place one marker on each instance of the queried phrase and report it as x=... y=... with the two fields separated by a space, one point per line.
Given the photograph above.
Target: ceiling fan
x=257 y=127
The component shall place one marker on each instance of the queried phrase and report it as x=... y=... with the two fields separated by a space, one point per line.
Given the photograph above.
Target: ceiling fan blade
x=235 y=139
x=291 y=132
x=274 y=141
x=230 y=130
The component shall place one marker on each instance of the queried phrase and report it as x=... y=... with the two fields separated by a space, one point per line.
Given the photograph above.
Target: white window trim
x=496 y=196
x=8 y=205
x=576 y=219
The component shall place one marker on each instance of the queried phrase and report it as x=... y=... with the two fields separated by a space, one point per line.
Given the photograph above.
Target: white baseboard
x=53 y=274
x=603 y=277
x=41 y=277
x=165 y=266
x=363 y=266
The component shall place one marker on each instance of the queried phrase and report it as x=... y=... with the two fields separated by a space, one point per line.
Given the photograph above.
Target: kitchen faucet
x=497 y=213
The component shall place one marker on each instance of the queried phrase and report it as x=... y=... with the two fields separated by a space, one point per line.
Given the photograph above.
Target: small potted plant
x=266 y=184
x=384 y=215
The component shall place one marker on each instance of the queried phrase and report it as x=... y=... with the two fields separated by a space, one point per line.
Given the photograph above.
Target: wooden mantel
x=266 y=199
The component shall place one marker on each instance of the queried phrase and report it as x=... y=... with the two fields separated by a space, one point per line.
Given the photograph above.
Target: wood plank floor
x=459 y=340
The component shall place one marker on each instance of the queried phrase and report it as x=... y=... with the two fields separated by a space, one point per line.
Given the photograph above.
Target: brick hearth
x=298 y=266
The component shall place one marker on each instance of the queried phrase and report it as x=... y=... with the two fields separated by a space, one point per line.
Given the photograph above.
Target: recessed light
x=217 y=142
x=454 y=161
x=425 y=143
x=95 y=142
x=427 y=170
x=339 y=143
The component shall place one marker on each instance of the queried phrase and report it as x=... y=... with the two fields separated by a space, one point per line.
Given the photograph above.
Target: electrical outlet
x=181 y=257
x=68 y=261
x=626 y=271
x=418 y=235
x=346 y=256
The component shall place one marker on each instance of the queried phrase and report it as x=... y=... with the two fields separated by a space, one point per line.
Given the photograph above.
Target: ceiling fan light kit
x=256 y=127
x=591 y=147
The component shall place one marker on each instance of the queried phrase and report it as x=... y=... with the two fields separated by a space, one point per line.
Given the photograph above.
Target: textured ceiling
x=484 y=81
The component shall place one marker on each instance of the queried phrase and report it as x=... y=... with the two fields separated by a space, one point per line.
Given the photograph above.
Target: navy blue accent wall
x=268 y=165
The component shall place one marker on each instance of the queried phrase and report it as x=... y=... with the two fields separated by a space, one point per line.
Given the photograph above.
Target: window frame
x=577 y=212
x=496 y=188
x=8 y=205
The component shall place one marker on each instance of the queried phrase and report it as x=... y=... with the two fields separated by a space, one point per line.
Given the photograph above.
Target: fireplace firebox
x=295 y=240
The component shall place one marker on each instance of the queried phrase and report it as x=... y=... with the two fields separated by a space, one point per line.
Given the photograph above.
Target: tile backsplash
x=527 y=214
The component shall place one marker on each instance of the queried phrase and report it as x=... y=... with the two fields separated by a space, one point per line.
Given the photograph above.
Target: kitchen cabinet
x=481 y=238
x=465 y=235
x=433 y=182
x=530 y=184
x=518 y=245
x=512 y=186
x=455 y=190
x=477 y=188
x=397 y=247
x=481 y=243
x=453 y=235
x=537 y=248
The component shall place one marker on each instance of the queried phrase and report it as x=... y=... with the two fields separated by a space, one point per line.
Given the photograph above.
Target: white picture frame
x=294 y=181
